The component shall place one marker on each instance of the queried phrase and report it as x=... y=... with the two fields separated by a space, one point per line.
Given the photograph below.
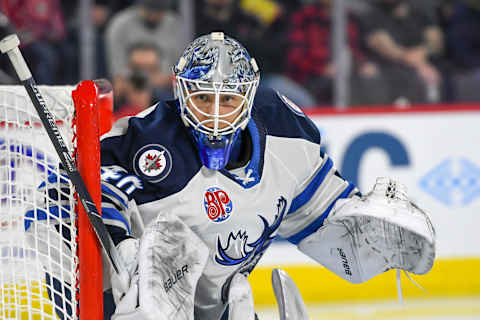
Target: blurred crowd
x=399 y=51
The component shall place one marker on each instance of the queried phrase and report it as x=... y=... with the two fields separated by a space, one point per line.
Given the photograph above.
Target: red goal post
x=93 y=118
x=43 y=273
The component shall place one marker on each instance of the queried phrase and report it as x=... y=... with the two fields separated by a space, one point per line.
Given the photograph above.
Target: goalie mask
x=216 y=80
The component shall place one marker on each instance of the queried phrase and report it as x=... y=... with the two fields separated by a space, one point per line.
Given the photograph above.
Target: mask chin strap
x=214 y=153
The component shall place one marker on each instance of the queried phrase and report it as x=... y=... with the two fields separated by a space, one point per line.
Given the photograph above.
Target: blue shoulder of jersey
x=154 y=146
x=283 y=118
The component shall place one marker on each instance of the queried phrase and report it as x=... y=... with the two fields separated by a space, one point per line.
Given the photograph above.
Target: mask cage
x=186 y=89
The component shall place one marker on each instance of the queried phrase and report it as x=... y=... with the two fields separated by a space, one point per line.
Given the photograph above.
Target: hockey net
x=43 y=233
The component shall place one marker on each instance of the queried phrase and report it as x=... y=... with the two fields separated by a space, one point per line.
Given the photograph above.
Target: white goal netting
x=38 y=260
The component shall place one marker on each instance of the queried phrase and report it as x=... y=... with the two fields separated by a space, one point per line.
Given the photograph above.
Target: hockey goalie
x=195 y=190
x=217 y=173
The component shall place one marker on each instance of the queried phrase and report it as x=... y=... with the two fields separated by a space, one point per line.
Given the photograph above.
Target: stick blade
x=240 y=299
x=289 y=300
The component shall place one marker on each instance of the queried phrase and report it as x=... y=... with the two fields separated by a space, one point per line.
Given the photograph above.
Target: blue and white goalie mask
x=216 y=80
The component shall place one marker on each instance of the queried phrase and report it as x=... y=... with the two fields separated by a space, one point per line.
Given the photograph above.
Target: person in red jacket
x=310 y=54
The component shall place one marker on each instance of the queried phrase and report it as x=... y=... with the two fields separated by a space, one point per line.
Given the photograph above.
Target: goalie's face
x=215 y=113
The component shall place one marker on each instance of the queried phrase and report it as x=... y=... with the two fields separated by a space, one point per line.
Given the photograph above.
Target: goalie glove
x=47 y=221
x=363 y=237
x=52 y=202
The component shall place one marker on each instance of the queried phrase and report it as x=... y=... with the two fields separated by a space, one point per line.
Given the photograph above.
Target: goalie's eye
x=226 y=99
x=203 y=98
x=230 y=100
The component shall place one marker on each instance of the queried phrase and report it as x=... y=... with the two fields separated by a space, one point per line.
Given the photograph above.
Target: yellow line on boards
x=448 y=278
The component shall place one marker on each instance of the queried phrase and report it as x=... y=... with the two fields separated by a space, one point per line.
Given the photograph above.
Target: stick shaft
x=64 y=154
x=9 y=45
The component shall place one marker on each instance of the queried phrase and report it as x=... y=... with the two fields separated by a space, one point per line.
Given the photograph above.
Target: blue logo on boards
x=455 y=182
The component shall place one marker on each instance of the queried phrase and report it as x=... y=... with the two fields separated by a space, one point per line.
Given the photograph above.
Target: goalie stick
x=289 y=299
x=10 y=45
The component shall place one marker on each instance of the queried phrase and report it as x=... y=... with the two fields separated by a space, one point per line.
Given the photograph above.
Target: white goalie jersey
x=287 y=187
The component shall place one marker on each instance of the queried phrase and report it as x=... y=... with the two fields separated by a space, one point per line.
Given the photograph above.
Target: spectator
x=41 y=29
x=462 y=30
x=101 y=12
x=265 y=38
x=118 y=5
x=138 y=94
x=151 y=21
x=358 y=7
x=229 y=17
x=404 y=41
x=147 y=58
x=142 y=79
x=268 y=10
x=310 y=60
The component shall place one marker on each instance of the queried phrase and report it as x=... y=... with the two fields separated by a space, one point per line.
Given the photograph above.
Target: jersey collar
x=253 y=170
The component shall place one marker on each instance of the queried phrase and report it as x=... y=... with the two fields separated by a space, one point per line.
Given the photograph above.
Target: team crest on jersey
x=291 y=105
x=237 y=249
x=153 y=162
x=218 y=204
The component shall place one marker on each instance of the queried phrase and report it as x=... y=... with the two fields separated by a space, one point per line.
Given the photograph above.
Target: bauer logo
x=152 y=162
x=217 y=204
